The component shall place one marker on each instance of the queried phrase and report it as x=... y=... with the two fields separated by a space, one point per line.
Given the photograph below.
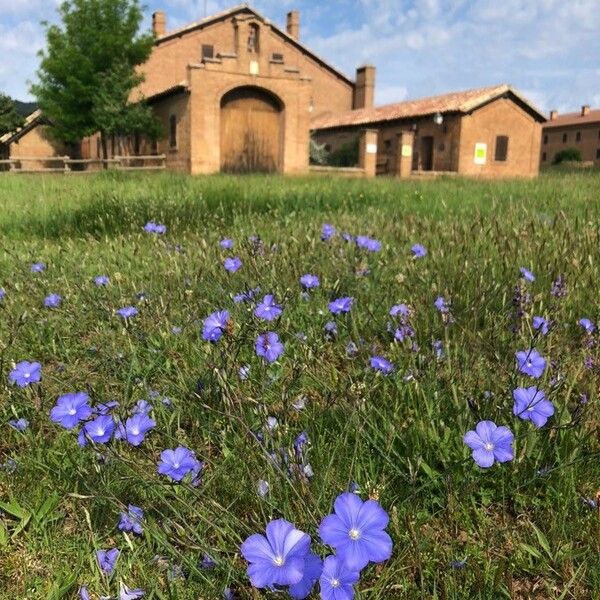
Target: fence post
x=66 y=162
x=404 y=153
x=367 y=151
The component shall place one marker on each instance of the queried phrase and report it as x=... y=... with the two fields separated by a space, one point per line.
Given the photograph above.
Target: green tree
x=10 y=119
x=88 y=71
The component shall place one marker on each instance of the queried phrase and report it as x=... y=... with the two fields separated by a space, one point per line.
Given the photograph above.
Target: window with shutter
x=501 y=153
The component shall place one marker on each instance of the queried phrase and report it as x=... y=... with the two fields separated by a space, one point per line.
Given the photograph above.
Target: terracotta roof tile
x=574 y=118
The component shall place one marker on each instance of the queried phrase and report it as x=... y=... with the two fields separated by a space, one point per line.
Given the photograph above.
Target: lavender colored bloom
x=367 y=243
x=246 y=296
x=70 y=409
x=542 y=325
x=337 y=580
x=101 y=280
x=382 y=365
x=126 y=593
x=300 y=442
x=215 y=325
x=268 y=346
x=400 y=309
x=38 y=267
x=143 y=407
x=2 y=294
x=327 y=232
x=207 y=562
x=25 y=373
x=157 y=228
x=226 y=244
x=527 y=275
x=309 y=281
x=244 y=372
x=127 y=312
x=176 y=330
x=268 y=309
x=341 y=305
x=531 y=405
x=137 y=427
x=313 y=567
x=19 y=424
x=441 y=304
x=101 y=429
x=351 y=349
x=531 y=362
x=52 y=301
x=104 y=408
x=587 y=325
x=84 y=593
x=178 y=463
x=278 y=558
x=262 y=488
x=232 y=264
x=330 y=329
x=559 y=287
x=356 y=531
x=490 y=443
x=438 y=348
x=419 y=251
x=107 y=560
x=132 y=520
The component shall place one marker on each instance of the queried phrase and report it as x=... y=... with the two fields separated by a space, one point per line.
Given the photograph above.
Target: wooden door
x=427 y=153
x=251 y=132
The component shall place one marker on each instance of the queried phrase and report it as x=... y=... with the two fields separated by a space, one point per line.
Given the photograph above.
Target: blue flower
x=38 y=267
x=382 y=365
x=215 y=325
x=337 y=580
x=527 y=275
x=156 y=228
x=178 y=463
x=101 y=280
x=531 y=362
x=132 y=520
x=542 y=325
x=127 y=312
x=279 y=558
x=52 y=301
x=490 y=443
x=232 y=264
x=531 y=405
x=268 y=346
x=107 y=560
x=126 y=593
x=587 y=325
x=441 y=304
x=419 y=251
x=101 y=429
x=327 y=232
x=136 y=428
x=367 y=243
x=19 y=424
x=226 y=244
x=70 y=409
x=25 y=373
x=2 y=294
x=341 y=305
x=309 y=281
x=268 y=309
x=356 y=531
x=313 y=567
x=400 y=309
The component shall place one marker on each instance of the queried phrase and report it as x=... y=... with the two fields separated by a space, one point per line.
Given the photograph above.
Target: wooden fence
x=66 y=164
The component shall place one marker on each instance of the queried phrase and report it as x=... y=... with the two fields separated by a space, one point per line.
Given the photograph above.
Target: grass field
x=525 y=528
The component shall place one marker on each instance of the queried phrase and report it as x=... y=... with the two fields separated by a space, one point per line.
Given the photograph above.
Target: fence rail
x=148 y=162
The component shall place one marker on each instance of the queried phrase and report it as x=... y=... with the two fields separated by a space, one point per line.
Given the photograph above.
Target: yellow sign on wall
x=406 y=150
x=480 y=153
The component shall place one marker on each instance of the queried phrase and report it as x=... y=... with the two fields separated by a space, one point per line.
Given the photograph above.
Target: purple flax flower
x=419 y=251
x=341 y=305
x=327 y=232
x=107 y=560
x=531 y=405
x=157 y=228
x=143 y=407
x=101 y=429
x=137 y=427
x=131 y=521
x=268 y=346
x=101 y=280
x=127 y=312
x=19 y=424
x=356 y=531
x=438 y=348
x=278 y=558
x=309 y=281
x=441 y=304
x=531 y=362
x=246 y=296
x=330 y=330
x=126 y=593
x=268 y=309
x=367 y=243
x=587 y=325
x=382 y=365
x=178 y=463
x=262 y=488
x=527 y=275
x=337 y=580
x=215 y=326
x=232 y=264
x=313 y=567
x=25 y=373
x=52 y=301
x=226 y=244
x=244 y=372
x=207 y=562
x=559 y=287
x=104 y=408
x=38 y=267
x=2 y=294
x=84 y=593
x=70 y=409
x=490 y=443
x=400 y=309
x=542 y=325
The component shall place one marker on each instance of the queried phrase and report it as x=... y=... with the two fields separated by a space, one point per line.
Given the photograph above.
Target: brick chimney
x=585 y=110
x=293 y=24
x=553 y=115
x=159 y=23
x=364 y=90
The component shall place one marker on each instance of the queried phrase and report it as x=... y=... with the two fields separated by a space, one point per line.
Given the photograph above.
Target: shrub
x=567 y=155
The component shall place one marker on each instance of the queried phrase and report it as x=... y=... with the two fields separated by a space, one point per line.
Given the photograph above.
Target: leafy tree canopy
x=10 y=119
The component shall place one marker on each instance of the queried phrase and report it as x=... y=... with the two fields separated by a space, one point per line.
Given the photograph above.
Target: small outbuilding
x=489 y=132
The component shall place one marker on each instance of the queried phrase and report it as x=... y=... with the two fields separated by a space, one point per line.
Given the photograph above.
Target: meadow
x=372 y=396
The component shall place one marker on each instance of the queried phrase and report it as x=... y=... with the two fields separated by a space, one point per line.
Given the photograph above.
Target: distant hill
x=25 y=108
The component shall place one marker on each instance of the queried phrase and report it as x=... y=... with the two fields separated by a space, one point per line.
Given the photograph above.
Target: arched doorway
x=251 y=131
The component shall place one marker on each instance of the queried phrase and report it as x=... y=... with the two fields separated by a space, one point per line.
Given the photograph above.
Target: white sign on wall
x=480 y=155
x=253 y=67
x=371 y=148
x=406 y=150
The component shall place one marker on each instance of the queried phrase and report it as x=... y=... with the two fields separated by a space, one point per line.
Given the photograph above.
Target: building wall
x=167 y=66
x=588 y=144
x=179 y=157
x=500 y=117
x=38 y=143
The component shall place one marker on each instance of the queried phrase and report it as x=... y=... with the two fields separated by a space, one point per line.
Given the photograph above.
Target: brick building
x=492 y=132
x=580 y=130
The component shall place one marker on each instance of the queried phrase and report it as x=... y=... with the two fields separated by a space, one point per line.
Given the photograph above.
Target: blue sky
x=548 y=49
